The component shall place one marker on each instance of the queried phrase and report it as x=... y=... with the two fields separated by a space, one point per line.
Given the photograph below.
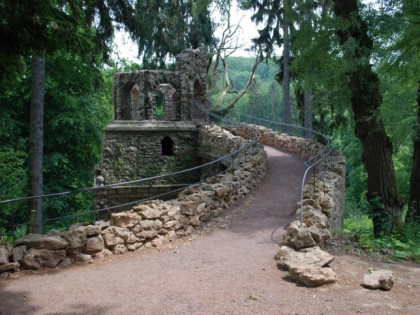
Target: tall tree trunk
x=36 y=138
x=414 y=195
x=308 y=97
x=366 y=99
x=307 y=100
x=286 y=73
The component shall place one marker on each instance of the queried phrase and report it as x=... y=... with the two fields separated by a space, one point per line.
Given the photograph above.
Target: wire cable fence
x=92 y=214
x=323 y=156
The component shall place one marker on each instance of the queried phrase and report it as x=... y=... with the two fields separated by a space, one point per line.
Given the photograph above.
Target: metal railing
x=312 y=162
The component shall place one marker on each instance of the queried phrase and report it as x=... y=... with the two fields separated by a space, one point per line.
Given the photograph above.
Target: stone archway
x=169 y=105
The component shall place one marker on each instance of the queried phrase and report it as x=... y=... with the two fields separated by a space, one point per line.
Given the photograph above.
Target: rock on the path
x=380 y=279
x=313 y=276
x=82 y=258
x=289 y=258
x=308 y=266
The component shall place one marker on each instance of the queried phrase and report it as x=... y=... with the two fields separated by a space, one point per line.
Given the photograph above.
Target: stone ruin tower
x=154 y=130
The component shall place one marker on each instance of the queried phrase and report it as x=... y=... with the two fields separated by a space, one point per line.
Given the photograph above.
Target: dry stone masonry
x=154 y=130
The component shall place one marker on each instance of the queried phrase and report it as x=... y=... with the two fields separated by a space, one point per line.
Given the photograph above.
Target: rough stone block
x=42 y=242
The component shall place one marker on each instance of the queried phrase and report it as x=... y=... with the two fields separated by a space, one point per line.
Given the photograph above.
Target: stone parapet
x=152 y=223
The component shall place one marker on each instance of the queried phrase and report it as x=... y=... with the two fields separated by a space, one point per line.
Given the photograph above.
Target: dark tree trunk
x=308 y=98
x=36 y=138
x=366 y=99
x=286 y=74
x=308 y=112
x=414 y=195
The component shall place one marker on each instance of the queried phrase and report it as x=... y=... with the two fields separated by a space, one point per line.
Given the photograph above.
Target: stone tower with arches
x=154 y=130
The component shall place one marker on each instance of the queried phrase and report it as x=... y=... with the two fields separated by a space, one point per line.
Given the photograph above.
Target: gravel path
x=226 y=268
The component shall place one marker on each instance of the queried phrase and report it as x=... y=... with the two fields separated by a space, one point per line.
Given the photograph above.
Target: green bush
x=401 y=245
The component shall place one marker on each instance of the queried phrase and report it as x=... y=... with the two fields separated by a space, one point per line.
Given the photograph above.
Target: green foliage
x=164 y=28
x=77 y=26
x=403 y=245
x=78 y=105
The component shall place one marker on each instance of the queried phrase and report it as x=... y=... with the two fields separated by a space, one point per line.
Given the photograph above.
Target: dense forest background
x=325 y=52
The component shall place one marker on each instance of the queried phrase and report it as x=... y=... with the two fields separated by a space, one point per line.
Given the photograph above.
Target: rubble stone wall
x=138 y=152
x=136 y=94
x=149 y=224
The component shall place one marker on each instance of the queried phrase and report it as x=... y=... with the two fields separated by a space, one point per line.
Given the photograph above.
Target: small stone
x=93 y=230
x=170 y=224
x=65 y=262
x=95 y=244
x=150 y=213
x=201 y=207
x=4 y=255
x=380 y=279
x=125 y=219
x=9 y=267
x=134 y=246
x=19 y=253
x=119 y=249
x=82 y=258
x=195 y=220
x=299 y=236
x=147 y=234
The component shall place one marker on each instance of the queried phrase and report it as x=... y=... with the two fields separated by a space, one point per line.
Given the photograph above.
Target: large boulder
x=307 y=266
x=38 y=241
x=39 y=258
x=313 y=276
x=289 y=258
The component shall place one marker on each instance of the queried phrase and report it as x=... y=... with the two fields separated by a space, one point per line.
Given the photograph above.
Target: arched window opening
x=135 y=102
x=198 y=91
x=159 y=106
x=167 y=146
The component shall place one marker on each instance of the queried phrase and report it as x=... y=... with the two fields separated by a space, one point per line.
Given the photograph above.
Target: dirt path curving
x=226 y=268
